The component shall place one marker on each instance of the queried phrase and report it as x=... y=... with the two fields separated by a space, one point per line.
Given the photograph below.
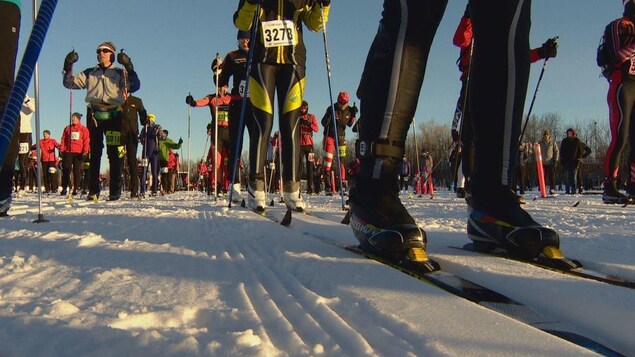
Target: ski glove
x=84 y=157
x=455 y=135
x=124 y=60
x=548 y=49
x=190 y=101
x=71 y=58
x=180 y=141
x=354 y=110
x=324 y=2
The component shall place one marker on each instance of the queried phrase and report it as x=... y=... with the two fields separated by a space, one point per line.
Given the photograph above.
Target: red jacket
x=75 y=139
x=171 y=160
x=223 y=107
x=463 y=38
x=308 y=125
x=48 y=147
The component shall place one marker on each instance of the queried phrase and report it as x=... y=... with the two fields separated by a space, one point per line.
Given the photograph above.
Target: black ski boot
x=496 y=220
x=611 y=194
x=384 y=227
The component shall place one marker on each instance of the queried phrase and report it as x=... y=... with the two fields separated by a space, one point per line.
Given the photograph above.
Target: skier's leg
x=500 y=73
x=389 y=90
x=261 y=90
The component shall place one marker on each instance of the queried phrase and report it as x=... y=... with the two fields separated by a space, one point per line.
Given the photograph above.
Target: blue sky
x=172 y=44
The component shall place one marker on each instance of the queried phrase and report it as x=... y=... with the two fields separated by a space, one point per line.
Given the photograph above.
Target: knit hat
x=243 y=34
x=546 y=132
x=342 y=98
x=151 y=118
x=107 y=45
x=47 y=132
x=78 y=115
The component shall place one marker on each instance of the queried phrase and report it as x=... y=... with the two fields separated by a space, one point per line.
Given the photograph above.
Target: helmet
x=342 y=98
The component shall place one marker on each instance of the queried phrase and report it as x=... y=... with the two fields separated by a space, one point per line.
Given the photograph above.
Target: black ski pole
x=533 y=99
x=328 y=76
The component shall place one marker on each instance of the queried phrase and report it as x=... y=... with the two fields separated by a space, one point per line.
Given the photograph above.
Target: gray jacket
x=103 y=85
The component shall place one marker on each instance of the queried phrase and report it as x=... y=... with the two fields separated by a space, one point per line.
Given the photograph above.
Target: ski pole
x=328 y=76
x=216 y=165
x=464 y=104
x=189 y=156
x=533 y=99
x=241 y=121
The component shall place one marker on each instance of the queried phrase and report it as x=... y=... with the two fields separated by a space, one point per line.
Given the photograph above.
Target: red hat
x=342 y=98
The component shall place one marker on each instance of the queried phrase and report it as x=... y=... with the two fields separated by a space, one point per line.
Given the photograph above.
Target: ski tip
x=242 y=203
x=576 y=204
x=271 y=204
x=286 y=220
x=347 y=218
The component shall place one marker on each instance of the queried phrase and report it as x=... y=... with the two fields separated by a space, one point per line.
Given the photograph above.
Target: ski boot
x=496 y=220
x=291 y=196
x=236 y=197
x=460 y=192
x=611 y=194
x=256 y=193
x=384 y=227
x=5 y=205
x=92 y=197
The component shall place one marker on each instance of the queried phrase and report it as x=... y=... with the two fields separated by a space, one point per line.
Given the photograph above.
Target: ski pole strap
x=380 y=148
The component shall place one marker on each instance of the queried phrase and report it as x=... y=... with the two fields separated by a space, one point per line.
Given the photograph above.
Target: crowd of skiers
x=494 y=63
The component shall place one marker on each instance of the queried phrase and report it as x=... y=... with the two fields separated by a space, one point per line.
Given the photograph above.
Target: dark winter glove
x=124 y=60
x=455 y=135
x=71 y=58
x=190 y=101
x=180 y=141
x=549 y=49
x=354 y=110
x=84 y=157
x=467 y=11
x=324 y=2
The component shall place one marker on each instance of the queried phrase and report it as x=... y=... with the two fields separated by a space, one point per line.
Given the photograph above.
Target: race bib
x=24 y=148
x=241 y=89
x=279 y=33
x=75 y=135
x=223 y=116
x=631 y=68
x=113 y=138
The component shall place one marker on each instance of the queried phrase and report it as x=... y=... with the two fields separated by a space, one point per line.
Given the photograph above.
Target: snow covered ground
x=185 y=276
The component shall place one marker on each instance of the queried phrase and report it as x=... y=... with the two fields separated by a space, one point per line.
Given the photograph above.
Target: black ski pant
x=9 y=33
x=307 y=153
x=72 y=162
x=97 y=130
x=131 y=143
x=287 y=81
x=233 y=155
x=49 y=176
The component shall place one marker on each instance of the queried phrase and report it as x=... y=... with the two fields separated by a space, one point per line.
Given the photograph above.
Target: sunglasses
x=100 y=50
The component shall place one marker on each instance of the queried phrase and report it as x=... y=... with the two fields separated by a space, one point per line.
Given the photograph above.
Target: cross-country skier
x=278 y=66
x=106 y=85
x=621 y=97
x=165 y=146
x=308 y=126
x=344 y=117
x=389 y=90
x=550 y=152
x=74 y=146
x=26 y=139
x=48 y=160
x=149 y=138
x=134 y=113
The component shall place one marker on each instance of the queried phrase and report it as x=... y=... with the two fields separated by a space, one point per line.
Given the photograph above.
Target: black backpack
x=604 y=57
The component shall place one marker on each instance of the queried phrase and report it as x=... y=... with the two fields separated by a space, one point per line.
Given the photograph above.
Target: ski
x=450 y=283
x=580 y=272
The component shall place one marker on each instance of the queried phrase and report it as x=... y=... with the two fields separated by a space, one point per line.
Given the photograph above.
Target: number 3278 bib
x=279 y=33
